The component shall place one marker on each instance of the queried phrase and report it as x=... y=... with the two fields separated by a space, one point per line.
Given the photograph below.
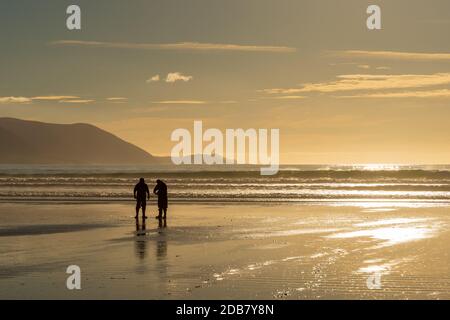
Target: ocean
x=299 y=183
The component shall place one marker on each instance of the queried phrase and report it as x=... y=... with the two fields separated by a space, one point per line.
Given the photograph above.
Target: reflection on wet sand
x=141 y=240
x=161 y=244
x=236 y=252
x=393 y=232
x=379 y=267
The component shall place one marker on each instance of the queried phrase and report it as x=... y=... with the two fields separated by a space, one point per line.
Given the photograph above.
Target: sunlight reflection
x=382 y=204
x=384 y=268
x=377 y=167
x=391 y=235
x=390 y=222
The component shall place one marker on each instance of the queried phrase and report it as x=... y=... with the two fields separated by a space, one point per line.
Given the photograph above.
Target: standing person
x=161 y=190
x=141 y=193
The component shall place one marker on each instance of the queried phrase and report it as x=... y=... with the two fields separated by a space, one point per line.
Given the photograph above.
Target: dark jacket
x=161 y=190
x=141 y=191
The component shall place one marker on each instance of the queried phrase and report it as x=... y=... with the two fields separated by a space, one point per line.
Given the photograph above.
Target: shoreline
x=233 y=201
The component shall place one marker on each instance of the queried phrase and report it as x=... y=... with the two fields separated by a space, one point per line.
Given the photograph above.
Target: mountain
x=32 y=142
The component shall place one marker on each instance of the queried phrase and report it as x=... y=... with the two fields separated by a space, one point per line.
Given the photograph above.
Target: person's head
x=141 y=180
x=158 y=181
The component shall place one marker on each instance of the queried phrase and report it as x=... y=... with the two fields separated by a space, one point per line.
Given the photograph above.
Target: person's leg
x=143 y=210
x=165 y=213
x=160 y=213
x=137 y=209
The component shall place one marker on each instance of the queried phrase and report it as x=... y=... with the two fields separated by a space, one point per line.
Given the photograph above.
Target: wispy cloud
x=51 y=98
x=117 y=99
x=187 y=46
x=180 y=102
x=171 y=77
x=7 y=100
x=443 y=93
x=13 y=99
x=383 y=68
x=177 y=76
x=368 y=82
x=290 y=97
x=77 y=101
x=154 y=78
x=393 y=55
x=288 y=91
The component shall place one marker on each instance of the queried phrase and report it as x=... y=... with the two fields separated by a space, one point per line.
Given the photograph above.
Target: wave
x=290 y=184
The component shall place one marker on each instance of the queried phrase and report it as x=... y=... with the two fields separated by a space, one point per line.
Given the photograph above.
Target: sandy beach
x=217 y=251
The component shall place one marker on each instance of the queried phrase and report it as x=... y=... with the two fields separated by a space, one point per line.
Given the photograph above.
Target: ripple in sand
x=292 y=232
x=272 y=246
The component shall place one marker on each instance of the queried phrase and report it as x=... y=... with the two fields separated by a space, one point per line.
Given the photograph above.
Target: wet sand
x=217 y=251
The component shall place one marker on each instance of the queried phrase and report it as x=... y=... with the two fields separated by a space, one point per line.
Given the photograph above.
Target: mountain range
x=33 y=142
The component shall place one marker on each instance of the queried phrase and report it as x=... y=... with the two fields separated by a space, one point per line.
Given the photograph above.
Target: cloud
x=180 y=102
x=77 y=101
x=368 y=82
x=37 y=98
x=291 y=97
x=7 y=100
x=185 y=46
x=154 y=78
x=393 y=55
x=443 y=93
x=281 y=90
x=171 y=77
x=116 y=99
x=228 y=102
x=61 y=99
x=194 y=102
x=50 y=98
x=177 y=76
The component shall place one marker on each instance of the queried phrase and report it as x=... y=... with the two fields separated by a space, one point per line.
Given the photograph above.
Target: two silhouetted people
x=142 y=194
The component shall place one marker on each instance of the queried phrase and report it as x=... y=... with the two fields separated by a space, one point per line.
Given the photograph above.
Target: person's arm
x=155 y=190
x=134 y=192
x=148 y=192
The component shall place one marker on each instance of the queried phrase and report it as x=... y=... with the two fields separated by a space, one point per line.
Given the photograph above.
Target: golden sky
x=338 y=92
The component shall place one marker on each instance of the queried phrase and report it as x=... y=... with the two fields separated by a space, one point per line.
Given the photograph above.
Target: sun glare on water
x=378 y=167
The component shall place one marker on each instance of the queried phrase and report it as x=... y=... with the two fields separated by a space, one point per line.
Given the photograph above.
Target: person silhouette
x=141 y=193
x=161 y=191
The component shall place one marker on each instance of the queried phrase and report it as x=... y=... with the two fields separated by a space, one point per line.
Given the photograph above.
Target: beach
x=299 y=148
x=312 y=250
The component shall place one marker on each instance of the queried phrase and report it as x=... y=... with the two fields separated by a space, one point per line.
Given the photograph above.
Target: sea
x=293 y=183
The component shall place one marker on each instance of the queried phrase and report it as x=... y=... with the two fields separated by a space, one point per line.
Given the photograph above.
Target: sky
x=338 y=92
